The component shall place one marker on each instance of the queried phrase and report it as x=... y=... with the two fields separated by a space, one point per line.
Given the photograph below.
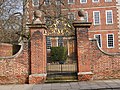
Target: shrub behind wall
x=58 y=54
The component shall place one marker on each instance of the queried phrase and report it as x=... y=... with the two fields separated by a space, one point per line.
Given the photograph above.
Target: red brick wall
x=92 y=59
x=15 y=69
x=29 y=65
x=5 y=50
x=103 y=65
x=82 y=49
x=38 y=48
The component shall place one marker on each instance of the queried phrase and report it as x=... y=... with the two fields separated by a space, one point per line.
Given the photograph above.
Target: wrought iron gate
x=60 y=70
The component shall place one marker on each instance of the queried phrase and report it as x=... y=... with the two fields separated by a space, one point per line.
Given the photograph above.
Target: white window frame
x=100 y=39
x=86 y=16
x=95 y=1
x=113 y=40
x=71 y=13
x=108 y=0
x=94 y=18
x=58 y=41
x=83 y=2
x=107 y=17
x=71 y=2
x=47 y=20
x=48 y=3
x=34 y=4
x=57 y=2
x=50 y=42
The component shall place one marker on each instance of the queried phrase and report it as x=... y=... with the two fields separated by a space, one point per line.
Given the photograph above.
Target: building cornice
x=106 y=30
x=97 y=7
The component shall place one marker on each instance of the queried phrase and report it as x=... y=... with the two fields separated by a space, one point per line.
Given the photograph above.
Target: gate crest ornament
x=60 y=27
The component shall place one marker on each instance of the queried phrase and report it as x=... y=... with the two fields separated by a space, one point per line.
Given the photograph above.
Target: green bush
x=58 y=54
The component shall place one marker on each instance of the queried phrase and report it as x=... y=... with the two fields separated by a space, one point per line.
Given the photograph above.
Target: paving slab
x=23 y=87
x=84 y=88
x=95 y=86
x=37 y=87
x=84 y=85
x=116 y=81
x=46 y=86
x=6 y=87
x=75 y=87
x=114 y=86
x=65 y=85
x=55 y=86
x=104 y=86
x=107 y=81
x=106 y=89
x=46 y=89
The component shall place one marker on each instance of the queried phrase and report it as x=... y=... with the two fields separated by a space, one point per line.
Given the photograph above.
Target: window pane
x=95 y=0
x=48 y=43
x=58 y=2
x=35 y=2
x=108 y=0
x=60 y=41
x=109 y=17
x=96 y=18
x=48 y=21
x=70 y=1
x=110 y=40
x=98 y=37
x=71 y=16
x=47 y=2
x=86 y=17
x=83 y=1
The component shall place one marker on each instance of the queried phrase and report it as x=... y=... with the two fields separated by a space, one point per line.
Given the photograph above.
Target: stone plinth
x=37 y=78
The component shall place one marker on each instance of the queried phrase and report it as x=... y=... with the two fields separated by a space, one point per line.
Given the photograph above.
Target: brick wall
x=104 y=65
x=26 y=66
x=5 y=50
x=15 y=69
x=93 y=62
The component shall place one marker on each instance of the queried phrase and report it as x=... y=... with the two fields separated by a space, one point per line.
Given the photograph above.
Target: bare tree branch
x=11 y=14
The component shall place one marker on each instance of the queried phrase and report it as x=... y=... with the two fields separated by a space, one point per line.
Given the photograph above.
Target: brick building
x=103 y=13
x=105 y=21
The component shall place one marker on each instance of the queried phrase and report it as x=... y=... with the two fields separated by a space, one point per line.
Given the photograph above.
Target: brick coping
x=109 y=54
x=83 y=73
x=36 y=75
x=17 y=54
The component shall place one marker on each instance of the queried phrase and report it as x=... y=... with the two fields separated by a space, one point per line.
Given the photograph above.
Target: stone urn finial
x=37 y=14
x=81 y=13
x=37 y=17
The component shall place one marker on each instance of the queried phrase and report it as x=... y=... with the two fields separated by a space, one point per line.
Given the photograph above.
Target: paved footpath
x=84 y=85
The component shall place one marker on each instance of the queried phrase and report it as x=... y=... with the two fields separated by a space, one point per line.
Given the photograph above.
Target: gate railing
x=61 y=67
